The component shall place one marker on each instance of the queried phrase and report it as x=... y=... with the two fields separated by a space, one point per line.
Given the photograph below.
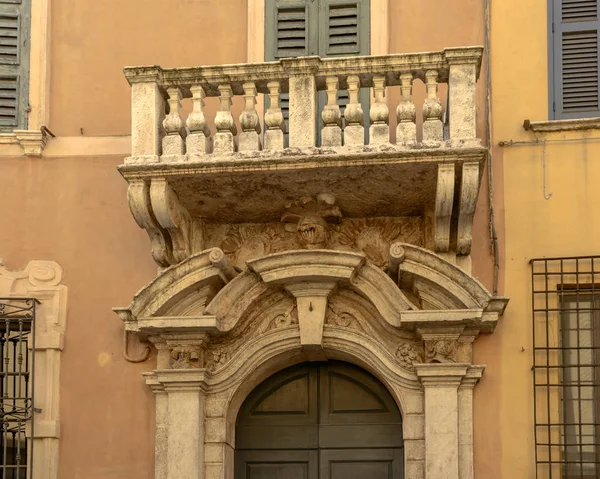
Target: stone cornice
x=549 y=126
x=32 y=141
x=261 y=73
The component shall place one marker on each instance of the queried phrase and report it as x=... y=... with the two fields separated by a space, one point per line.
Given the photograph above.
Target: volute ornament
x=441 y=351
x=185 y=357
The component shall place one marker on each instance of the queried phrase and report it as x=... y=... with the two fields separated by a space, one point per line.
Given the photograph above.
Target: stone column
x=303 y=100
x=185 y=393
x=464 y=68
x=147 y=114
x=465 y=421
x=441 y=382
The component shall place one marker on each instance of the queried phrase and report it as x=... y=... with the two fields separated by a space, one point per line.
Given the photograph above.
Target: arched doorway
x=326 y=420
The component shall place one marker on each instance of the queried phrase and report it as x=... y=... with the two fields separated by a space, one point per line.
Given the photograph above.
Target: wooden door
x=319 y=420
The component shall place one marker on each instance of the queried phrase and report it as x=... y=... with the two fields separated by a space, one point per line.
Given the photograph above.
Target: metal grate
x=566 y=366
x=17 y=317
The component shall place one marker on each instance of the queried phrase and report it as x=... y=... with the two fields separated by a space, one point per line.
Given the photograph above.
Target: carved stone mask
x=313 y=231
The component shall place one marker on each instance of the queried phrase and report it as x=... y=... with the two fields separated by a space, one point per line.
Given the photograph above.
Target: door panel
x=282 y=413
x=361 y=464
x=276 y=465
x=328 y=420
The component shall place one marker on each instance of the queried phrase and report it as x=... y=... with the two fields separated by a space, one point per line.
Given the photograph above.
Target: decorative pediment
x=206 y=294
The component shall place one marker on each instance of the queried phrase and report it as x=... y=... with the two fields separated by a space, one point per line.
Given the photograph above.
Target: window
x=566 y=312
x=14 y=63
x=326 y=28
x=16 y=386
x=573 y=59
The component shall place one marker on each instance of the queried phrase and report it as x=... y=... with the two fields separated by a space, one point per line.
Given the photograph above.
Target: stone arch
x=220 y=332
x=229 y=389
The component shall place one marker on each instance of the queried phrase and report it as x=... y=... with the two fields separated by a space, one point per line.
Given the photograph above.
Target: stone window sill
x=562 y=125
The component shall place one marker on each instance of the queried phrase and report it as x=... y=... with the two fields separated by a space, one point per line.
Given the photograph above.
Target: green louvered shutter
x=318 y=27
x=291 y=30
x=344 y=27
x=574 y=59
x=14 y=63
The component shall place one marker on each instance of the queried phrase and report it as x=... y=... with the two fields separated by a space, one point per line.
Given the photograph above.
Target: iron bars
x=566 y=366
x=17 y=317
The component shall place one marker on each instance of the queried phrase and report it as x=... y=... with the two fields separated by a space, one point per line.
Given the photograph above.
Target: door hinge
x=553 y=106
x=552 y=27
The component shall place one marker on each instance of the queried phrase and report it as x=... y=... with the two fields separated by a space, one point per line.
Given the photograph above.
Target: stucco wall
x=565 y=225
x=73 y=209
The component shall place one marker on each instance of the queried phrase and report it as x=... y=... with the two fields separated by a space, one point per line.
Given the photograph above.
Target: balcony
x=195 y=184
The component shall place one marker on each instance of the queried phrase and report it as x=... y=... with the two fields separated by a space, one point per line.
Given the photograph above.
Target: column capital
x=180 y=380
x=441 y=374
x=473 y=376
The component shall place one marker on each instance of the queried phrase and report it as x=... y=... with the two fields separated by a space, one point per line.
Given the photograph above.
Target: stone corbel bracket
x=467 y=178
x=32 y=141
x=310 y=282
x=174 y=236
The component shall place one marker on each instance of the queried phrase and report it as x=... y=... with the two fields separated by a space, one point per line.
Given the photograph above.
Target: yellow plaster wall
x=567 y=224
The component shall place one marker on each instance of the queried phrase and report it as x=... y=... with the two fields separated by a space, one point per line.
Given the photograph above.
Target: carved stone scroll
x=444 y=200
x=469 y=189
x=138 y=196
x=171 y=216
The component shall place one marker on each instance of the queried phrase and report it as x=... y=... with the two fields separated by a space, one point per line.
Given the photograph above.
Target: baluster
x=433 y=129
x=249 y=122
x=406 y=113
x=379 y=132
x=354 y=131
x=332 y=117
x=198 y=141
x=274 y=122
x=172 y=143
x=224 y=122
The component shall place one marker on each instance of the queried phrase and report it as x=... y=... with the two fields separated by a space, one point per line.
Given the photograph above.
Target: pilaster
x=441 y=382
x=180 y=415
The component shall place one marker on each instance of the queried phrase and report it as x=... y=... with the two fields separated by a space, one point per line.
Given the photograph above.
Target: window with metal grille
x=566 y=366
x=14 y=63
x=573 y=59
x=17 y=316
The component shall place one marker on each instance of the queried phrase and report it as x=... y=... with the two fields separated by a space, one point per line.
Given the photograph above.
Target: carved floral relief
x=408 y=355
x=372 y=237
x=441 y=351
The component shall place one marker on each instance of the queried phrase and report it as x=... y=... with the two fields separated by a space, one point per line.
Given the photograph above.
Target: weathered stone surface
x=315 y=253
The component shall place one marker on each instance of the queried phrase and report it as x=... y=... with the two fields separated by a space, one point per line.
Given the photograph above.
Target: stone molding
x=42 y=280
x=31 y=141
x=220 y=332
x=549 y=126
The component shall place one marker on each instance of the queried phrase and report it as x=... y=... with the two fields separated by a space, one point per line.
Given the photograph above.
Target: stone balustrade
x=161 y=134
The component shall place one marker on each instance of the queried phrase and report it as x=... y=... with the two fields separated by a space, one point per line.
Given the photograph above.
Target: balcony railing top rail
x=159 y=133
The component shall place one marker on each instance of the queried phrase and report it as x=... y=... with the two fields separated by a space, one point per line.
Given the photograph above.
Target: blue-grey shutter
x=14 y=63
x=574 y=59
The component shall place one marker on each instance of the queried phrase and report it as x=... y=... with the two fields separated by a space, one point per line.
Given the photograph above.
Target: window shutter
x=14 y=63
x=290 y=29
x=575 y=59
x=344 y=27
x=318 y=27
